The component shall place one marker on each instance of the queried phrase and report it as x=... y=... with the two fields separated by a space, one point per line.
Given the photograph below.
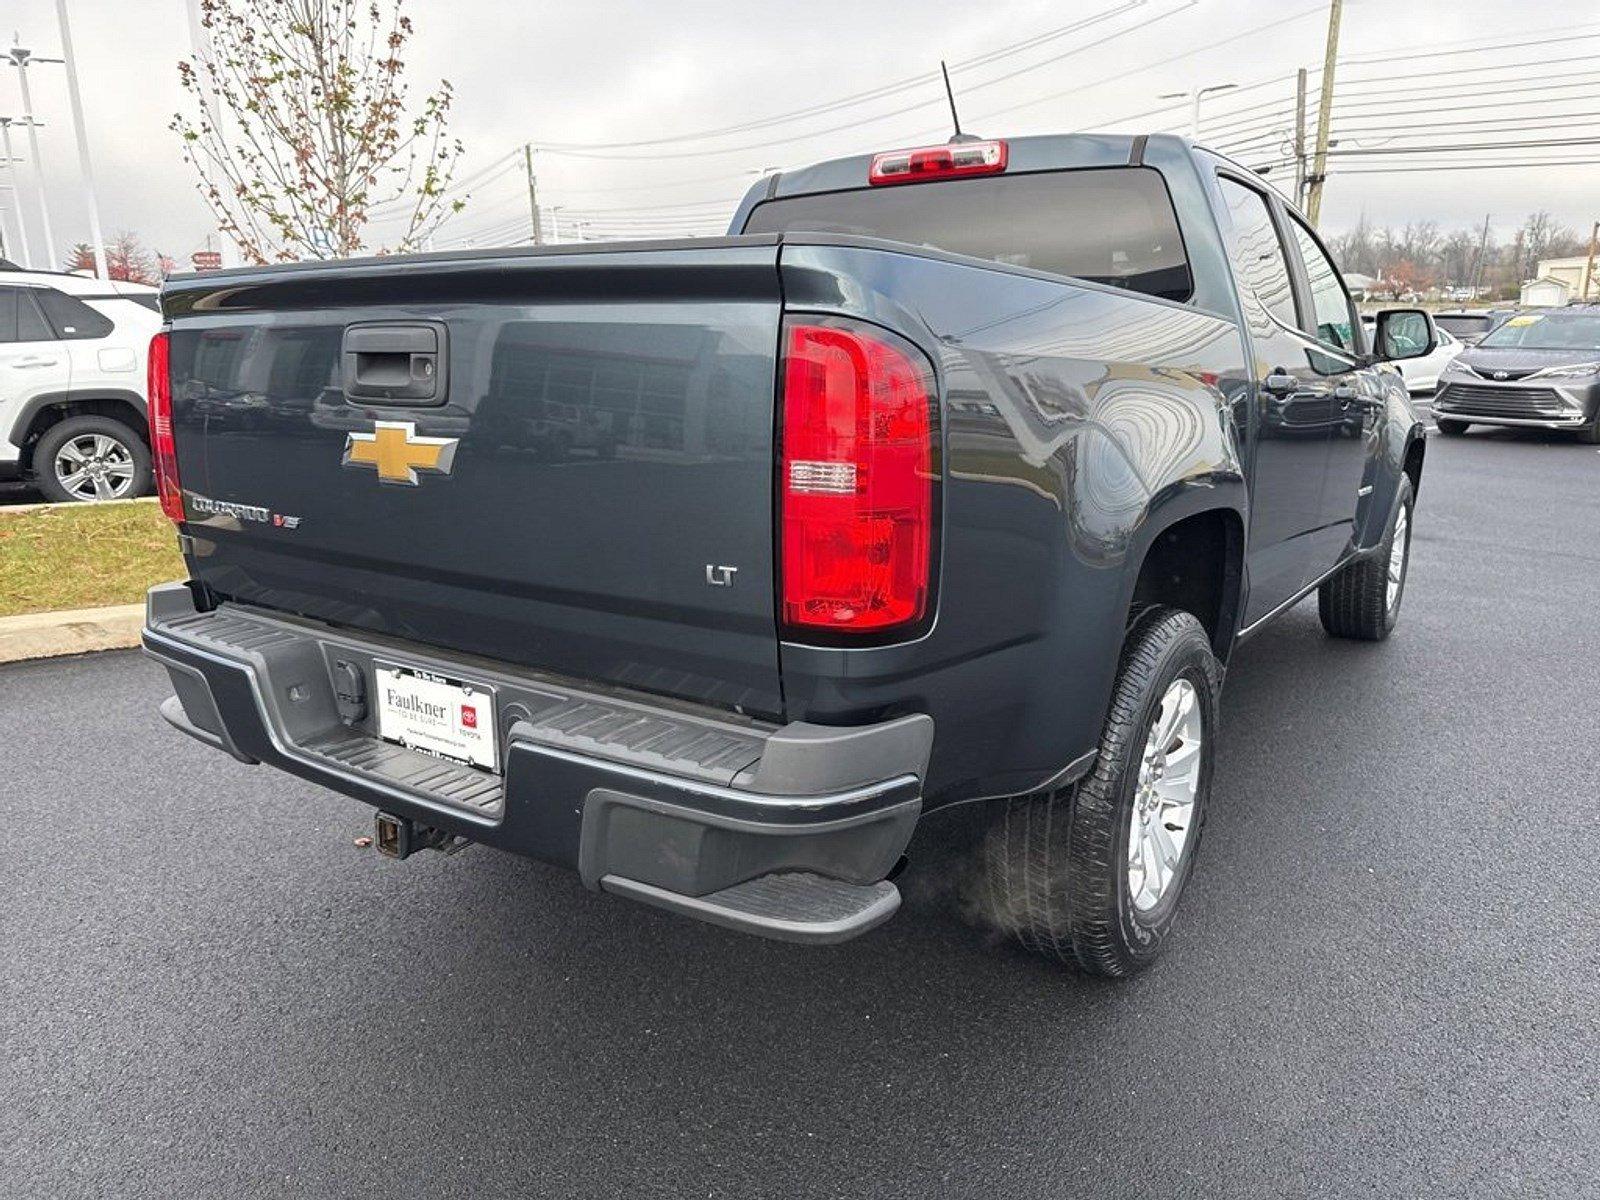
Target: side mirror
x=1400 y=333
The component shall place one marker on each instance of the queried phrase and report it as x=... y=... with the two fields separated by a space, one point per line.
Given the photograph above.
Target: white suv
x=72 y=383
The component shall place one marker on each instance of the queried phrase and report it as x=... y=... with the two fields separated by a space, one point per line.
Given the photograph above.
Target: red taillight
x=938 y=162
x=163 y=451
x=856 y=494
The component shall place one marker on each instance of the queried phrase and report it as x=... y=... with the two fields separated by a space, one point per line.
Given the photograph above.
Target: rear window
x=1110 y=225
x=72 y=318
x=1464 y=326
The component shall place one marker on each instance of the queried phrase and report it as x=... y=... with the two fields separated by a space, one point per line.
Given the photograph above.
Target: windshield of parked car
x=1548 y=331
x=1113 y=225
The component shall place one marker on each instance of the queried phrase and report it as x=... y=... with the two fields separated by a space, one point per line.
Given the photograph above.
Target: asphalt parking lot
x=18 y=493
x=1384 y=981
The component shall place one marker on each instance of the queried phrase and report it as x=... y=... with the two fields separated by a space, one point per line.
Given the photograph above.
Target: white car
x=1422 y=374
x=72 y=383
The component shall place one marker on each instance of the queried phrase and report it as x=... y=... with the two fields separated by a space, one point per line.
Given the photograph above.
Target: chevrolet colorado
x=707 y=569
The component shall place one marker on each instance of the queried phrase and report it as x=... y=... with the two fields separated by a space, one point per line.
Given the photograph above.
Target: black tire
x=1355 y=603
x=1055 y=865
x=1591 y=435
x=49 y=447
x=1450 y=428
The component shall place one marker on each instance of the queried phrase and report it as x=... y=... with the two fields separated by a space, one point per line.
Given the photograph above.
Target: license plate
x=443 y=717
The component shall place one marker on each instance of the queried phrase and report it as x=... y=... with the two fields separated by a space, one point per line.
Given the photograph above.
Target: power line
x=1244 y=135
x=1262 y=121
x=883 y=91
x=1469 y=166
x=1458 y=148
x=848 y=126
x=1386 y=87
x=1168 y=61
x=1535 y=123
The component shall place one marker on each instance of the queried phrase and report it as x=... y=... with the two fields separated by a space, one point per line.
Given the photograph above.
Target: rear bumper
x=784 y=831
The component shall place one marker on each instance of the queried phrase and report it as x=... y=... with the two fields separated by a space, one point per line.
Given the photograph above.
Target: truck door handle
x=34 y=360
x=1349 y=397
x=1279 y=383
x=395 y=362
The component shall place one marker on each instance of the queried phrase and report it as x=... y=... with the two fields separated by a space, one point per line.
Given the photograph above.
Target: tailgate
x=588 y=489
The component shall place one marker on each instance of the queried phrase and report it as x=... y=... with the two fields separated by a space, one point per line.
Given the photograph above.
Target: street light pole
x=533 y=195
x=16 y=195
x=1300 y=139
x=20 y=56
x=1193 y=95
x=75 y=97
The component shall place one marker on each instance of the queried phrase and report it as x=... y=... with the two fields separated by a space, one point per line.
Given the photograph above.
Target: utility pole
x=1483 y=248
x=1300 y=138
x=1589 y=261
x=1319 y=168
x=19 y=57
x=533 y=194
x=16 y=194
x=75 y=97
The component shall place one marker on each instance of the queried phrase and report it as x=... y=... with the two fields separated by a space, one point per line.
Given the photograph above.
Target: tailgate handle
x=398 y=362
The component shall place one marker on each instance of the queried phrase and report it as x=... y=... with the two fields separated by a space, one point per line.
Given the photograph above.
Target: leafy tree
x=79 y=258
x=302 y=127
x=1409 y=278
x=127 y=259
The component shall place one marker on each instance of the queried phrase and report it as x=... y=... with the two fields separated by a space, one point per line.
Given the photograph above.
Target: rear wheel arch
x=1411 y=463
x=1195 y=563
x=40 y=413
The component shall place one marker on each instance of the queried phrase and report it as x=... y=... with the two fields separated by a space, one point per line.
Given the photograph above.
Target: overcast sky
x=606 y=72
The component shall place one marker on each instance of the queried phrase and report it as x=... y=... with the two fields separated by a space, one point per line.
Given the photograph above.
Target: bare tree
x=1419 y=241
x=1354 y=249
x=302 y=128
x=1456 y=255
x=1544 y=237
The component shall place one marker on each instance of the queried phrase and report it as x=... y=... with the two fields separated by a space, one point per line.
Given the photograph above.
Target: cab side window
x=1257 y=252
x=72 y=318
x=1330 y=321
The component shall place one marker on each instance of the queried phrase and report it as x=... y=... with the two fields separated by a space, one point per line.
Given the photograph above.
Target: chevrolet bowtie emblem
x=395 y=451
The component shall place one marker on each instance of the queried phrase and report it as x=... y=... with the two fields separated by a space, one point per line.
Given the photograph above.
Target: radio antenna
x=955 y=117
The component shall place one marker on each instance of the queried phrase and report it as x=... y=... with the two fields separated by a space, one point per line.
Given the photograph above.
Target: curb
x=76 y=631
x=27 y=508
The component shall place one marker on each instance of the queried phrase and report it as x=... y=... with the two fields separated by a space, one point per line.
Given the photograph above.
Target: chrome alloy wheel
x=1397 y=557
x=95 y=467
x=1163 y=804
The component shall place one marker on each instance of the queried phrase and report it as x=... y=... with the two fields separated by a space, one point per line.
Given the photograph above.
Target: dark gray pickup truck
x=709 y=569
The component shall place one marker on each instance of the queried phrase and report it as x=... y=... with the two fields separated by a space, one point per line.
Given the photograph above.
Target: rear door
x=563 y=461
x=1334 y=372
x=1291 y=411
x=33 y=362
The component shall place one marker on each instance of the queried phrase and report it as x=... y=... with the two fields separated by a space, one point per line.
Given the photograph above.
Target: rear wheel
x=91 y=459
x=1092 y=874
x=1451 y=428
x=1363 y=600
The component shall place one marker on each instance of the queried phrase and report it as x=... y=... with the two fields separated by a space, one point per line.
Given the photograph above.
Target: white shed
x=1545 y=292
